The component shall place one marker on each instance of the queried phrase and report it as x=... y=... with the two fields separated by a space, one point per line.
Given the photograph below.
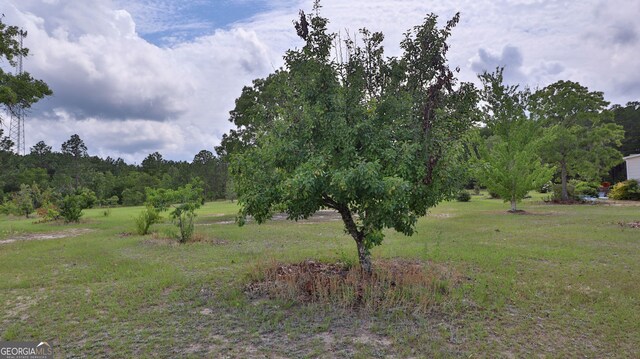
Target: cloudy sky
x=136 y=76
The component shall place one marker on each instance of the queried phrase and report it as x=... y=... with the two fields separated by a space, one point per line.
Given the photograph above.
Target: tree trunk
x=563 y=177
x=513 y=205
x=364 y=256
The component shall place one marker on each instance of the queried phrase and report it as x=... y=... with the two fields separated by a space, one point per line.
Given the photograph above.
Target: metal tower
x=16 y=128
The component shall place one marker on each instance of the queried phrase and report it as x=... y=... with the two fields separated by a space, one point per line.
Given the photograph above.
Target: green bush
x=463 y=196
x=71 y=208
x=87 y=197
x=183 y=217
x=145 y=219
x=111 y=201
x=9 y=207
x=48 y=212
x=586 y=189
x=557 y=191
x=626 y=190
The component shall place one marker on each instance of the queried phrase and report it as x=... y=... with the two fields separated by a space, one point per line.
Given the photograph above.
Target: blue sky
x=132 y=77
x=167 y=22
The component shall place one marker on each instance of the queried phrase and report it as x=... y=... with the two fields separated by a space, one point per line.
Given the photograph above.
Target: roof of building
x=631 y=156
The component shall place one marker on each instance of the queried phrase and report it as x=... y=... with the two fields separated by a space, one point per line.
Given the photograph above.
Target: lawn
x=557 y=281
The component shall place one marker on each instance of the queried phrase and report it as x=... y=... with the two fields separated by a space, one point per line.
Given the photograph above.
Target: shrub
x=48 y=212
x=71 y=208
x=183 y=217
x=557 y=191
x=87 y=198
x=463 y=196
x=9 y=207
x=586 y=189
x=145 y=219
x=493 y=195
x=112 y=201
x=626 y=190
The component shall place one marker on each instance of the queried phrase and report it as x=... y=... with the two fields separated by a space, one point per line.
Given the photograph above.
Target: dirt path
x=74 y=232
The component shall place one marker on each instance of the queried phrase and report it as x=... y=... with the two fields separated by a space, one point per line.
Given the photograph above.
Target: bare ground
x=74 y=232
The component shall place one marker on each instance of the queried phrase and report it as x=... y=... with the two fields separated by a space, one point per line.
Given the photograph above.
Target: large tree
x=581 y=138
x=376 y=139
x=18 y=91
x=629 y=118
x=77 y=150
x=508 y=162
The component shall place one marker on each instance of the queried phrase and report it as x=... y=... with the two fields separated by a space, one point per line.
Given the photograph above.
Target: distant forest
x=71 y=169
x=113 y=181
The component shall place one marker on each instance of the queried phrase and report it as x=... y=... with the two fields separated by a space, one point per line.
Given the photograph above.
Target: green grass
x=559 y=281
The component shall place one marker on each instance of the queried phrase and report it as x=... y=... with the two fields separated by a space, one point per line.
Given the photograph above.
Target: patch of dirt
x=74 y=232
x=19 y=307
x=630 y=224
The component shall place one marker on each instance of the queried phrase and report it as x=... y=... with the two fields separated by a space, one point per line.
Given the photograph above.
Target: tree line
x=111 y=181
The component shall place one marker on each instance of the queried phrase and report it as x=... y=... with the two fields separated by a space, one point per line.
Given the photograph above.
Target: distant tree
x=41 y=149
x=5 y=142
x=75 y=148
x=629 y=118
x=24 y=200
x=153 y=164
x=376 y=139
x=581 y=140
x=508 y=163
x=17 y=91
x=212 y=171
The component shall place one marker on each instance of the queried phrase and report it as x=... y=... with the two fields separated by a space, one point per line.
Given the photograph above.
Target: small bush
x=183 y=217
x=557 y=191
x=71 y=208
x=9 y=207
x=586 y=189
x=626 y=190
x=145 y=219
x=112 y=201
x=88 y=198
x=463 y=196
x=493 y=195
x=48 y=212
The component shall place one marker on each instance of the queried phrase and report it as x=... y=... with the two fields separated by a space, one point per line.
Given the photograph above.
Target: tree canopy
x=377 y=139
x=581 y=139
x=508 y=163
x=17 y=90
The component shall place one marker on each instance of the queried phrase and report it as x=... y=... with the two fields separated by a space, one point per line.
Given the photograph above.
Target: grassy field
x=557 y=281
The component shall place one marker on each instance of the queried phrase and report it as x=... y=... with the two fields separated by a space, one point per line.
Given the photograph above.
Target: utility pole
x=16 y=128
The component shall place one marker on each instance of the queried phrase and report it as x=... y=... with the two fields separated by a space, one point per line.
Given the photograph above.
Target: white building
x=633 y=167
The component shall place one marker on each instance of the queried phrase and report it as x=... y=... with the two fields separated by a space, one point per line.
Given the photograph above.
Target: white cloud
x=127 y=97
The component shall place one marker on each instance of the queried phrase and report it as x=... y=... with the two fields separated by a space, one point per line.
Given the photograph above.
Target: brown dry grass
x=394 y=284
